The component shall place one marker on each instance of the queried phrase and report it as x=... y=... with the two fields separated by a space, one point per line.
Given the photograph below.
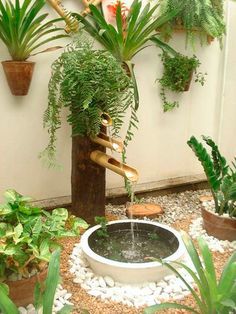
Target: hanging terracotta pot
x=18 y=74
x=188 y=83
x=22 y=291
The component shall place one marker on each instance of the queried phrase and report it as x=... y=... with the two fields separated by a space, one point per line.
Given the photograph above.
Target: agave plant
x=23 y=29
x=131 y=34
x=215 y=297
x=221 y=177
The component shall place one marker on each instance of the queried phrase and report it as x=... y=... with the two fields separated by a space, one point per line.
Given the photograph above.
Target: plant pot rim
x=203 y=208
x=89 y=252
x=17 y=61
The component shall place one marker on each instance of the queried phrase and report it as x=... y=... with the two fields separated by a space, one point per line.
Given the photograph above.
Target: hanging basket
x=19 y=75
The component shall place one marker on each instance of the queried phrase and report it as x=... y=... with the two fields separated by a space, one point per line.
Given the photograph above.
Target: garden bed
x=182 y=211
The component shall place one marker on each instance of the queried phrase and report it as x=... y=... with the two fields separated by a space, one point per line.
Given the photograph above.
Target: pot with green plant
x=219 y=218
x=29 y=235
x=213 y=296
x=203 y=19
x=23 y=30
x=177 y=75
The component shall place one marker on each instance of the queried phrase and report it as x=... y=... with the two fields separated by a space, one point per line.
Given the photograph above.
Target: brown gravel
x=83 y=301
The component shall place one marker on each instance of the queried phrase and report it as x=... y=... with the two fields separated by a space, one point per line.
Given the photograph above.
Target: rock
x=94 y=293
x=146 y=291
x=77 y=280
x=152 y=285
x=109 y=281
x=67 y=296
x=144 y=210
x=102 y=282
x=22 y=310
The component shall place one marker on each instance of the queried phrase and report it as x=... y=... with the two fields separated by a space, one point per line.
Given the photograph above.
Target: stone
x=94 y=293
x=205 y=198
x=102 y=282
x=22 y=310
x=109 y=281
x=144 y=210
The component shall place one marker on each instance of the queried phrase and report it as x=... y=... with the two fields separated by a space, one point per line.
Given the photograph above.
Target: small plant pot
x=188 y=83
x=22 y=291
x=223 y=228
x=19 y=75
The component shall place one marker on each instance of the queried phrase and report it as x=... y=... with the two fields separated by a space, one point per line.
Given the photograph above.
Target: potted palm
x=22 y=31
x=28 y=237
x=219 y=221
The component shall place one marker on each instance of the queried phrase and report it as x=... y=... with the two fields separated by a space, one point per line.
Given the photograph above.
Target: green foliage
x=102 y=221
x=214 y=296
x=28 y=234
x=221 y=177
x=44 y=293
x=177 y=74
x=132 y=33
x=200 y=18
x=88 y=82
x=23 y=29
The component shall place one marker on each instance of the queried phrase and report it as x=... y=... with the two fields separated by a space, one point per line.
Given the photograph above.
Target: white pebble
x=109 y=281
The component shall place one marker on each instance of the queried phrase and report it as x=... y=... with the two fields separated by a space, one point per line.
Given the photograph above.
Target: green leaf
x=66 y=309
x=6 y=305
x=164 y=306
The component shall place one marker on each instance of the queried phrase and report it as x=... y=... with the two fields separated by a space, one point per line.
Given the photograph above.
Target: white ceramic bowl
x=131 y=272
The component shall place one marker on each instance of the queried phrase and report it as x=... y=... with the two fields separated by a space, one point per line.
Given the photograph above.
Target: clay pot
x=188 y=83
x=22 y=291
x=18 y=74
x=223 y=228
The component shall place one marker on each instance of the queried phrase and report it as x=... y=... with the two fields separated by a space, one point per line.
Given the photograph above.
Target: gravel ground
x=180 y=210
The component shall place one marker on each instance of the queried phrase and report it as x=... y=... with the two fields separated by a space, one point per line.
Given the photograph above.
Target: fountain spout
x=108 y=142
x=111 y=163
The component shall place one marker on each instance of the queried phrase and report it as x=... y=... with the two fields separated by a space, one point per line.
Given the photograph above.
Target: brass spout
x=111 y=163
x=106 y=119
x=72 y=24
x=108 y=142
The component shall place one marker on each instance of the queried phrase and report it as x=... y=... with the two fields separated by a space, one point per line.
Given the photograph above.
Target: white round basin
x=128 y=272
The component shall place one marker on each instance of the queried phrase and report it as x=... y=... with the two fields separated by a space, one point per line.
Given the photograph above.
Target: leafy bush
x=23 y=30
x=216 y=297
x=221 y=177
x=28 y=235
x=177 y=75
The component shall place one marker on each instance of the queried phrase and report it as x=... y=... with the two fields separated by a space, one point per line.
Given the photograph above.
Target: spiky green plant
x=88 y=82
x=200 y=18
x=221 y=176
x=23 y=29
x=215 y=296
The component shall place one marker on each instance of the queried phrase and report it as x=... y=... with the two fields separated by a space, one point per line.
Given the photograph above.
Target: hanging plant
x=177 y=76
x=198 y=18
x=88 y=82
x=23 y=30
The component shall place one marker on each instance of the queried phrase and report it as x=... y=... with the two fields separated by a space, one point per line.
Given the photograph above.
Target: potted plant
x=177 y=75
x=213 y=296
x=204 y=19
x=44 y=293
x=221 y=220
x=22 y=31
x=28 y=237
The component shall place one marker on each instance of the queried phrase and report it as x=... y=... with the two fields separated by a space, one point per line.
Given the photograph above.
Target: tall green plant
x=215 y=296
x=221 y=177
x=23 y=29
x=88 y=82
x=131 y=35
x=200 y=18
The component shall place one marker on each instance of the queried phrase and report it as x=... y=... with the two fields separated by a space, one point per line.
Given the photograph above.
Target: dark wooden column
x=87 y=180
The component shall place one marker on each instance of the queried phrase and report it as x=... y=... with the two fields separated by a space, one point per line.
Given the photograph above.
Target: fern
x=88 y=82
x=221 y=177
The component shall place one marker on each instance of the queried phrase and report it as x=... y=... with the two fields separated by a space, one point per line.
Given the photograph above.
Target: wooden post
x=87 y=180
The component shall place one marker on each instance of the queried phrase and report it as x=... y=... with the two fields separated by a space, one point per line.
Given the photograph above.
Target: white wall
x=159 y=149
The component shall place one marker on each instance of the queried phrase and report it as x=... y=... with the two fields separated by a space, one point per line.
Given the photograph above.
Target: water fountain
x=126 y=261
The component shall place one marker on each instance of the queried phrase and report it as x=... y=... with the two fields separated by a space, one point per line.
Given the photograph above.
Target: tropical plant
x=44 y=292
x=177 y=75
x=132 y=32
x=221 y=177
x=23 y=29
x=102 y=231
x=203 y=18
x=29 y=235
x=88 y=82
x=215 y=296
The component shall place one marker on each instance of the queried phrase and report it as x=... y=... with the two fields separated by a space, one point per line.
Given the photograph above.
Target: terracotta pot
x=18 y=74
x=223 y=228
x=22 y=291
x=188 y=83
